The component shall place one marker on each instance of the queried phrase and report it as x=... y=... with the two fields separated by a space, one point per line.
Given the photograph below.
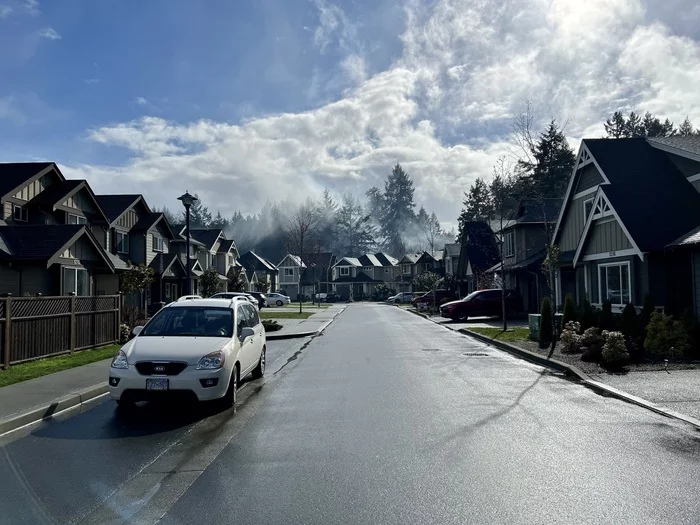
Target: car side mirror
x=136 y=330
x=246 y=332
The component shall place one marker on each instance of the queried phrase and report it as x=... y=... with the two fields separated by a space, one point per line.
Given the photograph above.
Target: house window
x=509 y=244
x=76 y=280
x=406 y=269
x=213 y=259
x=289 y=272
x=72 y=218
x=587 y=208
x=122 y=242
x=20 y=214
x=157 y=243
x=614 y=281
x=344 y=270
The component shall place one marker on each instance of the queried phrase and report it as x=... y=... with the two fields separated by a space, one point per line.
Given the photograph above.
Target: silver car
x=278 y=299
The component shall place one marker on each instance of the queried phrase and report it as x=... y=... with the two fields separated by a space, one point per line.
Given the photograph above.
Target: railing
x=36 y=327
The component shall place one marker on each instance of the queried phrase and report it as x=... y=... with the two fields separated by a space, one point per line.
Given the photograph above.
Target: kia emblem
x=159 y=368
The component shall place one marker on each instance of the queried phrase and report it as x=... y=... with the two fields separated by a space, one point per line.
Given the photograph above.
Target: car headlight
x=212 y=361
x=120 y=361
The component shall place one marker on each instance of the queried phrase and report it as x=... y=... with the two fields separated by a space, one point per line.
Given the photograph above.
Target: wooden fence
x=36 y=327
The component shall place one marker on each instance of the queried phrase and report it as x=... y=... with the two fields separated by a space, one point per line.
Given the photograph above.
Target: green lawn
x=305 y=305
x=49 y=365
x=513 y=335
x=285 y=315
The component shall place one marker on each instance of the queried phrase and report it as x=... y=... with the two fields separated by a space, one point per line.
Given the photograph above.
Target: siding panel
x=573 y=225
x=696 y=282
x=150 y=254
x=589 y=177
x=606 y=237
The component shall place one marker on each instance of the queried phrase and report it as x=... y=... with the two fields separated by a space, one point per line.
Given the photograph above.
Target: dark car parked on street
x=262 y=299
x=483 y=303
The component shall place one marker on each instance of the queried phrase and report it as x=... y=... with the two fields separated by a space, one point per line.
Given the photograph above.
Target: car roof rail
x=188 y=298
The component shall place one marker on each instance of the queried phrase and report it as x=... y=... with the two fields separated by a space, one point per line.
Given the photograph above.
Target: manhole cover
x=475 y=354
x=432 y=349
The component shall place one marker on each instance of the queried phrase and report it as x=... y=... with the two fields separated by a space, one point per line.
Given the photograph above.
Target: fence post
x=8 y=330
x=72 y=321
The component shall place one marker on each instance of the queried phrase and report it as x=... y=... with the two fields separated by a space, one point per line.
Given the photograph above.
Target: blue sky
x=280 y=99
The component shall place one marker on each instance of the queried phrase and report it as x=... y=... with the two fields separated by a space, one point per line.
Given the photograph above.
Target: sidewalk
x=36 y=399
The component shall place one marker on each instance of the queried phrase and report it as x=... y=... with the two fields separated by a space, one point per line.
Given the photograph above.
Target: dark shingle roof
x=452 y=249
x=56 y=193
x=206 y=236
x=115 y=205
x=322 y=260
x=252 y=261
x=688 y=239
x=226 y=245
x=117 y=262
x=146 y=222
x=533 y=262
x=689 y=144
x=14 y=174
x=162 y=261
x=538 y=210
x=369 y=259
x=386 y=260
x=654 y=201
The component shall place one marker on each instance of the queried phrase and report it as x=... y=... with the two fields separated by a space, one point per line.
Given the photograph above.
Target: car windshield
x=192 y=321
x=470 y=296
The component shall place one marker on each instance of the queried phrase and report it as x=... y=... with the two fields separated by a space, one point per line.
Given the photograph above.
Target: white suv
x=197 y=349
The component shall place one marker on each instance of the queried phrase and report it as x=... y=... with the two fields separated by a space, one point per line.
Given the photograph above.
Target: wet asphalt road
x=385 y=418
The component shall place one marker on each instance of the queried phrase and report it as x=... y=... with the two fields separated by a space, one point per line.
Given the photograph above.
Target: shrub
x=271 y=325
x=124 y=333
x=629 y=321
x=569 y=310
x=546 y=334
x=692 y=328
x=570 y=339
x=614 y=350
x=665 y=337
x=607 y=321
x=587 y=315
x=591 y=345
x=647 y=310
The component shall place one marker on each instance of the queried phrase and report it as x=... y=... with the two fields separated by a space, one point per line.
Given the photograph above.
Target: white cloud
x=5 y=11
x=141 y=101
x=442 y=109
x=17 y=7
x=49 y=33
x=92 y=80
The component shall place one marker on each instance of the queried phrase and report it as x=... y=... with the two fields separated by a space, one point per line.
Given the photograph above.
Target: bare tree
x=301 y=229
x=431 y=231
x=521 y=135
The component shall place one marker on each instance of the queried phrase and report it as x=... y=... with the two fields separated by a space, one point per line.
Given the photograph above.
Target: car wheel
x=124 y=404
x=260 y=369
x=279 y=303
x=229 y=399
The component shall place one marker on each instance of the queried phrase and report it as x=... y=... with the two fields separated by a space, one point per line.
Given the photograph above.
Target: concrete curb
x=272 y=336
x=572 y=371
x=49 y=410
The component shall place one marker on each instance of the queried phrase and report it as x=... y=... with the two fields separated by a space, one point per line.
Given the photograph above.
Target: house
x=478 y=251
x=412 y=265
x=137 y=235
x=523 y=245
x=217 y=252
x=357 y=277
x=317 y=276
x=51 y=232
x=265 y=272
x=450 y=257
x=629 y=224
x=289 y=275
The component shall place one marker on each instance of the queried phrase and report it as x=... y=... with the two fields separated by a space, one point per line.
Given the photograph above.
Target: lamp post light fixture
x=187 y=201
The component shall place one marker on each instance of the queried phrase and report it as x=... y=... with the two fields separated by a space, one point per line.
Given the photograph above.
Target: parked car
x=231 y=295
x=402 y=297
x=441 y=296
x=278 y=299
x=198 y=349
x=262 y=300
x=482 y=303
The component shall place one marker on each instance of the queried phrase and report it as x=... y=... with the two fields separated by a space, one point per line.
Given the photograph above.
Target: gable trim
x=600 y=256
x=130 y=206
x=84 y=231
x=83 y=185
x=583 y=152
x=606 y=209
x=585 y=192
x=47 y=169
x=694 y=178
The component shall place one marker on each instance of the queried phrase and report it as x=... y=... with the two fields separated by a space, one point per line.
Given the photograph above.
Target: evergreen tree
x=607 y=320
x=554 y=161
x=355 y=233
x=569 y=310
x=686 y=128
x=653 y=127
x=200 y=217
x=587 y=315
x=616 y=126
x=219 y=221
x=478 y=205
x=634 y=127
x=398 y=208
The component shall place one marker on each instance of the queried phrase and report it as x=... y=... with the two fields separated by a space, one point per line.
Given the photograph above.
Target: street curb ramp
x=573 y=372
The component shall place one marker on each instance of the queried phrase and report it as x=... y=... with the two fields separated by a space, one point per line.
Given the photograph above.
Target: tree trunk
x=503 y=295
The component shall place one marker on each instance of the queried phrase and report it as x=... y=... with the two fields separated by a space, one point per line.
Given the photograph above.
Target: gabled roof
x=437 y=255
x=654 y=201
x=117 y=262
x=21 y=241
x=226 y=246
x=115 y=206
x=252 y=261
x=319 y=260
x=386 y=260
x=162 y=262
x=478 y=248
x=295 y=258
x=425 y=257
x=207 y=236
x=410 y=258
x=14 y=175
x=452 y=249
x=689 y=239
x=348 y=261
x=677 y=144
x=150 y=220
x=57 y=193
x=178 y=228
x=369 y=260
x=533 y=262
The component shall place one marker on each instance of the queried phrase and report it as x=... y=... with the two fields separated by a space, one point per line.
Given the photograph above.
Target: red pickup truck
x=482 y=303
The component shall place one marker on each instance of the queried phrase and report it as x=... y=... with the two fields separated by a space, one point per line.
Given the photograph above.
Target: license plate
x=157 y=384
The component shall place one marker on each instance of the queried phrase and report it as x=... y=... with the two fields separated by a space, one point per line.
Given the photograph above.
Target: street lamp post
x=187 y=201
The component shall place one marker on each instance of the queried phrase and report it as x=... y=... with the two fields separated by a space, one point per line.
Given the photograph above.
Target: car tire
x=259 y=370
x=229 y=399
x=279 y=303
x=124 y=404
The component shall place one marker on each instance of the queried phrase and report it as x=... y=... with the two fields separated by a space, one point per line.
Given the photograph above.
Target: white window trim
x=404 y=267
x=116 y=241
x=629 y=281
x=592 y=201
x=162 y=243
x=507 y=253
x=23 y=212
x=609 y=255
x=344 y=271
x=77 y=218
x=76 y=270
